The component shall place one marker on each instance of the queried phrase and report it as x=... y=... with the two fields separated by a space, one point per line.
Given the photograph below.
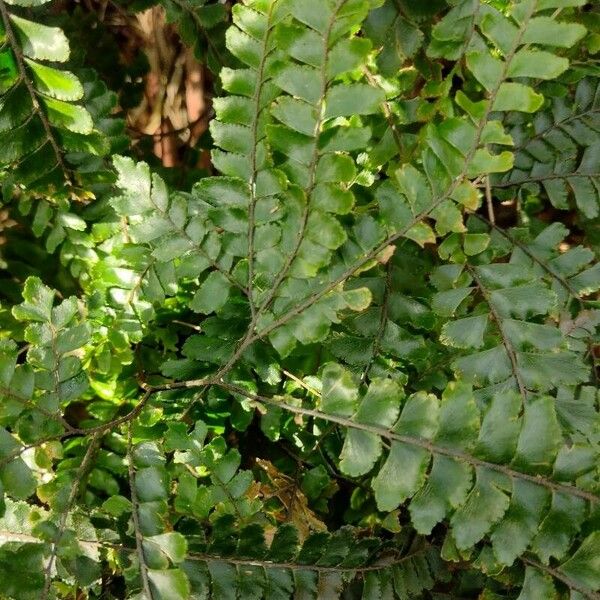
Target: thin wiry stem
x=103 y=427
x=301 y=383
x=78 y=431
x=139 y=538
x=7 y=393
x=489 y=200
x=510 y=351
x=556 y=573
x=383 y=319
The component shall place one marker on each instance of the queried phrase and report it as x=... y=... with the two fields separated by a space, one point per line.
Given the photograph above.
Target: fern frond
x=390 y=335
x=507 y=345
x=52 y=376
x=559 y=155
x=182 y=430
x=306 y=100
x=245 y=112
x=160 y=229
x=201 y=25
x=40 y=119
x=323 y=565
x=394 y=30
x=455 y=150
x=485 y=470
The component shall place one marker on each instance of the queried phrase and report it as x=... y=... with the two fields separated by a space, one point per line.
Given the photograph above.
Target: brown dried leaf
x=295 y=508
